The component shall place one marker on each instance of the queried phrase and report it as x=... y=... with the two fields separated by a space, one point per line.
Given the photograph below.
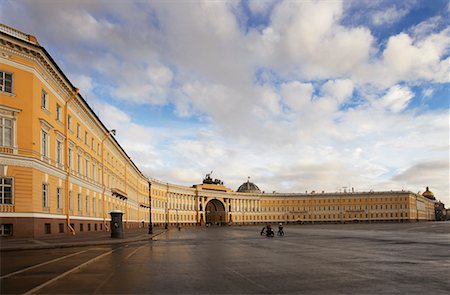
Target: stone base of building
x=29 y=227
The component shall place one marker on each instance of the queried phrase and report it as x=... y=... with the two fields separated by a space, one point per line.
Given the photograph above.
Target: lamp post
x=150 y=225
x=112 y=131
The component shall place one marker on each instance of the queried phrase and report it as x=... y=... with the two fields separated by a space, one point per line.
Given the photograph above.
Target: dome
x=428 y=194
x=248 y=187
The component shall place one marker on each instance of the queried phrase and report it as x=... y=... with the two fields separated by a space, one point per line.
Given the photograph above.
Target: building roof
x=248 y=187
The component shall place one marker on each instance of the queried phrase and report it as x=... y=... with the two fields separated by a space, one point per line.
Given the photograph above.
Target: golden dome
x=428 y=194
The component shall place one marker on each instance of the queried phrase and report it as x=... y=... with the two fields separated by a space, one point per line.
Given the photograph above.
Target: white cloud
x=396 y=99
x=341 y=90
x=296 y=95
x=388 y=16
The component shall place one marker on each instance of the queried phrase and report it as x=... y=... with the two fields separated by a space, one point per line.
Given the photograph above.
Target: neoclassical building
x=62 y=171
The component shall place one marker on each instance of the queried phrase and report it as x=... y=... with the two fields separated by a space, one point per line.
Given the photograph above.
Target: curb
x=140 y=238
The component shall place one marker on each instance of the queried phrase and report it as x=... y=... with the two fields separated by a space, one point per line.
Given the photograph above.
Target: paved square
x=309 y=259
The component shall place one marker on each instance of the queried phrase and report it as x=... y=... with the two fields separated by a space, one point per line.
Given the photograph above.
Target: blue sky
x=299 y=95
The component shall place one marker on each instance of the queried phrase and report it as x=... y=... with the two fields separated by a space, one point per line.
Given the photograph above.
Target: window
x=89 y=227
x=44 y=99
x=85 y=137
x=69 y=122
x=78 y=130
x=87 y=168
x=79 y=163
x=92 y=143
x=47 y=228
x=6 y=132
x=5 y=82
x=61 y=227
x=59 y=149
x=6 y=193
x=58 y=113
x=81 y=227
x=98 y=148
x=6 y=230
x=70 y=200
x=93 y=172
x=87 y=204
x=45 y=196
x=59 y=197
x=70 y=158
x=44 y=144
x=79 y=202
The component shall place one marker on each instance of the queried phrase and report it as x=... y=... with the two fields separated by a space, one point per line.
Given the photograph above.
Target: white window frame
x=3 y=128
x=45 y=151
x=59 y=152
x=44 y=99
x=3 y=81
x=70 y=200
x=79 y=203
x=2 y=190
x=94 y=176
x=59 y=199
x=79 y=168
x=86 y=162
x=69 y=122
x=70 y=156
x=58 y=113
x=45 y=195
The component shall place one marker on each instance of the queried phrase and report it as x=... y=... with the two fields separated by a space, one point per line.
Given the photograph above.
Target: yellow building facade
x=215 y=204
x=62 y=171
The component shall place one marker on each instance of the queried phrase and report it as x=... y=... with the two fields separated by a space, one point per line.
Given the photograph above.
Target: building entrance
x=215 y=212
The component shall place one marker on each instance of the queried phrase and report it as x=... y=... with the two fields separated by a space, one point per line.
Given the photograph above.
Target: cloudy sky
x=299 y=95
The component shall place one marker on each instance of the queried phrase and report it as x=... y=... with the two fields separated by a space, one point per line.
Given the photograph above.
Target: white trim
x=46 y=215
x=32 y=215
x=88 y=218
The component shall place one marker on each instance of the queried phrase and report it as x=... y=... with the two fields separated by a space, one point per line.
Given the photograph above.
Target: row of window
x=6 y=126
x=7 y=197
x=329 y=216
x=61 y=227
x=90 y=171
x=337 y=208
x=327 y=201
x=59 y=200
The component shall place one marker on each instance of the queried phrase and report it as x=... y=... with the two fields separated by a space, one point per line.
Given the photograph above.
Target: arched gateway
x=215 y=212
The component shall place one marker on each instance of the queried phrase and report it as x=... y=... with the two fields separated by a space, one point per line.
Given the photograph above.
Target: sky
x=298 y=95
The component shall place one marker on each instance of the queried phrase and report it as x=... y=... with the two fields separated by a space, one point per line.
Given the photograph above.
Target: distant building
x=62 y=171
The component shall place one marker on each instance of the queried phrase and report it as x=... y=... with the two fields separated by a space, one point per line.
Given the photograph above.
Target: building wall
x=242 y=208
